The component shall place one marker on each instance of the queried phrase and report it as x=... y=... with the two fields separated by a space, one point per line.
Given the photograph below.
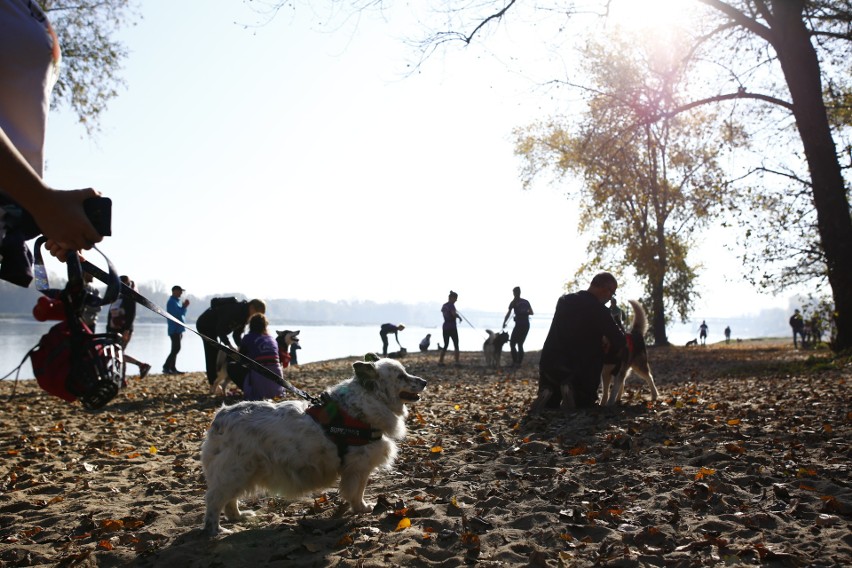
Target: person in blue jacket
x=176 y=309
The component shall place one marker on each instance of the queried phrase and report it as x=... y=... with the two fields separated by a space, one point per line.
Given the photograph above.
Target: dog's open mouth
x=412 y=396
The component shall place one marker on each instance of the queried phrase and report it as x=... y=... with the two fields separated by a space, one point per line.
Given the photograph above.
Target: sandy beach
x=744 y=460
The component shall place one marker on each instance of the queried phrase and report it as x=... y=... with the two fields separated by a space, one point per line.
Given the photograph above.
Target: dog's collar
x=343 y=429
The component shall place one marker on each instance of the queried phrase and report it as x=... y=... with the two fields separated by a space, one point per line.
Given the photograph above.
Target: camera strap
x=233 y=353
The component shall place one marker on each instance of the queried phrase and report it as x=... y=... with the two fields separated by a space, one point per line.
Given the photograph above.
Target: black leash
x=465 y=319
x=234 y=354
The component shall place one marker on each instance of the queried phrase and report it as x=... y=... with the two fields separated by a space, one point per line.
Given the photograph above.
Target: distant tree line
x=18 y=302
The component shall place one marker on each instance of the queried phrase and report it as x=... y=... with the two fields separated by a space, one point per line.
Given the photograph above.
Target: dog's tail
x=640 y=320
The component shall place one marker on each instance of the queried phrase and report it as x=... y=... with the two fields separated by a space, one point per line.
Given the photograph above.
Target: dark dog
x=398 y=354
x=493 y=347
x=635 y=359
x=691 y=342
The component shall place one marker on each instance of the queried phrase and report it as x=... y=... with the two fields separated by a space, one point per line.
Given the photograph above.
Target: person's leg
x=549 y=394
x=210 y=356
x=171 y=360
x=444 y=348
x=455 y=337
x=513 y=345
x=520 y=332
x=176 y=341
x=584 y=383
x=384 y=337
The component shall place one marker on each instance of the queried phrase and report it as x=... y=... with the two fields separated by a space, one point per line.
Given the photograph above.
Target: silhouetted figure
x=523 y=310
x=702 y=332
x=798 y=326
x=728 y=334
x=387 y=329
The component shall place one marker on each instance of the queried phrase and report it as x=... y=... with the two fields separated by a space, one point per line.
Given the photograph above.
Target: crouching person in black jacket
x=224 y=317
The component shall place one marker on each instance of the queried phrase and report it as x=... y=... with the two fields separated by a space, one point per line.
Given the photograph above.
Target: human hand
x=63 y=221
x=185 y=303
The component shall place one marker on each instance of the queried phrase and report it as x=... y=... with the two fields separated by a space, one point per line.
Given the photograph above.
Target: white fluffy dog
x=281 y=447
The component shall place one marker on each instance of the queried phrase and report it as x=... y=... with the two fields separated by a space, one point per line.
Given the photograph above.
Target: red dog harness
x=629 y=338
x=343 y=429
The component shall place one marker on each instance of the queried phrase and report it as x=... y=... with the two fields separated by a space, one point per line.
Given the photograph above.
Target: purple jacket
x=264 y=349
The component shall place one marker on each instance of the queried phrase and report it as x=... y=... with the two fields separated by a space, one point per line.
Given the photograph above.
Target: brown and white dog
x=632 y=359
x=287 y=449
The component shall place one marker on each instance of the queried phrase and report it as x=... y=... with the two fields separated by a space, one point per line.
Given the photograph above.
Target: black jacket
x=574 y=340
x=219 y=321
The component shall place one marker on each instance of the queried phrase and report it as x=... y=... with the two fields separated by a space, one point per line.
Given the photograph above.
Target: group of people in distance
x=521 y=307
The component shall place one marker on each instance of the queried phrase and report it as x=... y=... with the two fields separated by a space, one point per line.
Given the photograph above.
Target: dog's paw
x=361 y=508
x=211 y=531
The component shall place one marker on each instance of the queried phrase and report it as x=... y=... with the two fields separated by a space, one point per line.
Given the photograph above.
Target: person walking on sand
x=798 y=325
x=122 y=314
x=702 y=332
x=450 y=329
x=386 y=329
x=523 y=310
x=177 y=310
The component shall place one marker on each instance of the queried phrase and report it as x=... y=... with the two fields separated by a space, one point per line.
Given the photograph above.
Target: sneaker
x=144 y=369
x=168 y=371
x=176 y=372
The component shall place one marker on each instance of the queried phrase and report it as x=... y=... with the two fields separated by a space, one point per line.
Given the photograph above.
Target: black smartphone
x=99 y=212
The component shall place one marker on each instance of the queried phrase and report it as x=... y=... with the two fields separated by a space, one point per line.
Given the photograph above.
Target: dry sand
x=745 y=459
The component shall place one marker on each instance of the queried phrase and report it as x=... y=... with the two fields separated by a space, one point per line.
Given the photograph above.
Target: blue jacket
x=175 y=309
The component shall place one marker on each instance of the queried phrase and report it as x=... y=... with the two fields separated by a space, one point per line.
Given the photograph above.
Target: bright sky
x=284 y=161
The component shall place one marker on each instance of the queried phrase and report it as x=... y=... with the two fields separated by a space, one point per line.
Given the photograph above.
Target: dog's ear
x=279 y=333
x=371 y=357
x=365 y=374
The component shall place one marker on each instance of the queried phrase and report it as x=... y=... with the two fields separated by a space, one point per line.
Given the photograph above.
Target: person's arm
x=396 y=336
x=223 y=331
x=238 y=334
x=59 y=214
x=505 y=319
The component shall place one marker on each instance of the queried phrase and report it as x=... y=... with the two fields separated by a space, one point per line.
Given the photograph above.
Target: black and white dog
x=224 y=372
x=493 y=347
x=633 y=358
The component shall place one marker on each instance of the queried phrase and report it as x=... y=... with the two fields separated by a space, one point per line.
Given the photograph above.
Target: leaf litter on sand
x=744 y=459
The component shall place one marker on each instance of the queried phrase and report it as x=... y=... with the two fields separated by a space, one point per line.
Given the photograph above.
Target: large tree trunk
x=658 y=305
x=800 y=65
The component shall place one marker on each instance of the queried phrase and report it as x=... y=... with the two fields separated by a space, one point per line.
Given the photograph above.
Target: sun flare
x=649 y=15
